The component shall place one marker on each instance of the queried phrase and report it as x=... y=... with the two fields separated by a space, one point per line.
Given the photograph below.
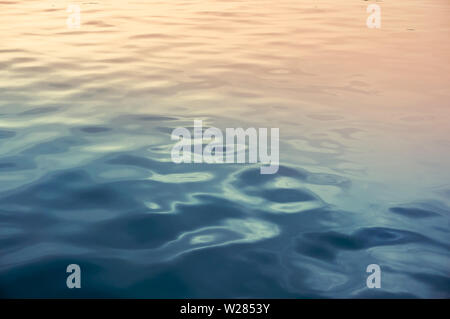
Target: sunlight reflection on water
x=85 y=170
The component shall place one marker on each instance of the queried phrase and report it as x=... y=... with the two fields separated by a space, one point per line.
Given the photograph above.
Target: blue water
x=86 y=176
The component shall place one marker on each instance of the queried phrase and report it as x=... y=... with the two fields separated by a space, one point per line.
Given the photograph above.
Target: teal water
x=86 y=175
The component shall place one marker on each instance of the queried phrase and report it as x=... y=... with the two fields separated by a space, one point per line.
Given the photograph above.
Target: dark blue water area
x=141 y=226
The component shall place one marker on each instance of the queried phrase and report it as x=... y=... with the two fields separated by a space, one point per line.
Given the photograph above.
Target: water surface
x=85 y=169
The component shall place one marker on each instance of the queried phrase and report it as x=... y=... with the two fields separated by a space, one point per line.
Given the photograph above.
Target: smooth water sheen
x=86 y=175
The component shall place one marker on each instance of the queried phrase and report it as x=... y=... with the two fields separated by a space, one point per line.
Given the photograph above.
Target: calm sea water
x=85 y=169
